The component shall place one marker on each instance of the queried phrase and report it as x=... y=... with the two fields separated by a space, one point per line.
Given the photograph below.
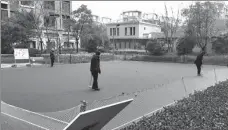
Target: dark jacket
x=52 y=56
x=199 y=59
x=95 y=63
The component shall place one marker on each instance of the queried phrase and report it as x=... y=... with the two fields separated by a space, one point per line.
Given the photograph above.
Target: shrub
x=220 y=45
x=185 y=45
x=154 y=47
x=78 y=58
x=202 y=110
x=104 y=50
x=92 y=44
x=33 y=52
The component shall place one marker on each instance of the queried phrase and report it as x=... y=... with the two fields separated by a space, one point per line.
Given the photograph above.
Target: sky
x=113 y=9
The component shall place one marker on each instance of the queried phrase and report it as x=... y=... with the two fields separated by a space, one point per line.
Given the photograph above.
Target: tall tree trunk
x=77 y=43
x=68 y=36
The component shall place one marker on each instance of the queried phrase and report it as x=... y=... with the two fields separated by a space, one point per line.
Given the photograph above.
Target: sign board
x=97 y=118
x=21 y=53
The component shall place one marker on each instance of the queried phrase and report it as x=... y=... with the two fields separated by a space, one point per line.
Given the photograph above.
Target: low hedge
x=209 y=60
x=203 y=110
x=9 y=58
x=79 y=58
x=129 y=52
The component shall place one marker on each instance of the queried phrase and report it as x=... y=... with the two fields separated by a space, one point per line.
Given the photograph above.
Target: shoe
x=96 y=89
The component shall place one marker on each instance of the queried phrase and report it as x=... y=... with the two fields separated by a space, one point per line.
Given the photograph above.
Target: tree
x=84 y=18
x=185 y=45
x=100 y=30
x=200 y=18
x=220 y=45
x=169 y=26
x=93 y=43
x=16 y=29
x=154 y=47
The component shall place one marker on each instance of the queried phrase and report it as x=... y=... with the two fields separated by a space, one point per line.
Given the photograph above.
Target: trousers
x=52 y=62
x=198 y=69
x=95 y=78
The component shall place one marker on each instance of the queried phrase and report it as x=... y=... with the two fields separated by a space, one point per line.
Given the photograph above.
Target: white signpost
x=20 y=54
x=97 y=118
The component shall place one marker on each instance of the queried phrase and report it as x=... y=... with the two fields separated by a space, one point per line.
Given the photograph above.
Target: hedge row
x=210 y=60
x=203 y=110
x=9 y=59
x=129 y=52
x=79 y=58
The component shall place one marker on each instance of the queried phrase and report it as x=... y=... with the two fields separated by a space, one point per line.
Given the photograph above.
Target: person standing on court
x=95 y=69
x=198 y=62
x=52 y=57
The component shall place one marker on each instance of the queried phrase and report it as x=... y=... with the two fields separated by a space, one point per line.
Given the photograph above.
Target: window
x=68 y=45
x=133 y=30
x=27 y=3
x=114 y=31
x=49 y=21
x=125 y=31
x=66 y=7
x=118 y=31
x=4 y=6
x=130 y=30
x=110 y=31
x=49 y=5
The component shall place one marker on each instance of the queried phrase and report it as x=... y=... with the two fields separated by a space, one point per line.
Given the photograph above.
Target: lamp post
x=116 y=34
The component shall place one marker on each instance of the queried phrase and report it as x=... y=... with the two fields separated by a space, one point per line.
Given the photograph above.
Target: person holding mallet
x=95 y=70
x=199 y=61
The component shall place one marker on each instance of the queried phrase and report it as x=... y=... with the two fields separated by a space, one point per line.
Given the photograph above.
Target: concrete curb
x=5 y=66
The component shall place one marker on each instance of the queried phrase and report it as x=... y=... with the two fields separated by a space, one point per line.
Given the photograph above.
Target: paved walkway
x=151 y=100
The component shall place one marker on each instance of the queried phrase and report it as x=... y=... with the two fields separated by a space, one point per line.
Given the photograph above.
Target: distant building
x=132 y=30
x=224 y=12
x=57 y=11
x=5 y=9
x=102 y=20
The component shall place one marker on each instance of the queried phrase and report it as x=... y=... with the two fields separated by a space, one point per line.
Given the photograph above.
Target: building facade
x=5 y=9
x=56 y=13
x=132 y=30
x=101 y=20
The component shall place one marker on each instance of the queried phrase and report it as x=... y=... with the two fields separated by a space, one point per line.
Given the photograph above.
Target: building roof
x=132 y=22
x=132 y=11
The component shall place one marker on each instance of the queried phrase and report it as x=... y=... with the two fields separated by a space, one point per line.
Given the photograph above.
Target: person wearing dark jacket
x=95 y=69
x=52 y=57
x=198 y=62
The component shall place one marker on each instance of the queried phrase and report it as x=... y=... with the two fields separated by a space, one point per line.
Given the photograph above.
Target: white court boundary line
x=137 y=119
x=36 y=113
x=25 y=121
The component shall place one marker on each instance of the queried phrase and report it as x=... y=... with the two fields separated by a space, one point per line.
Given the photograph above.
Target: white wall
x=139 y=30
x=148 y=29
